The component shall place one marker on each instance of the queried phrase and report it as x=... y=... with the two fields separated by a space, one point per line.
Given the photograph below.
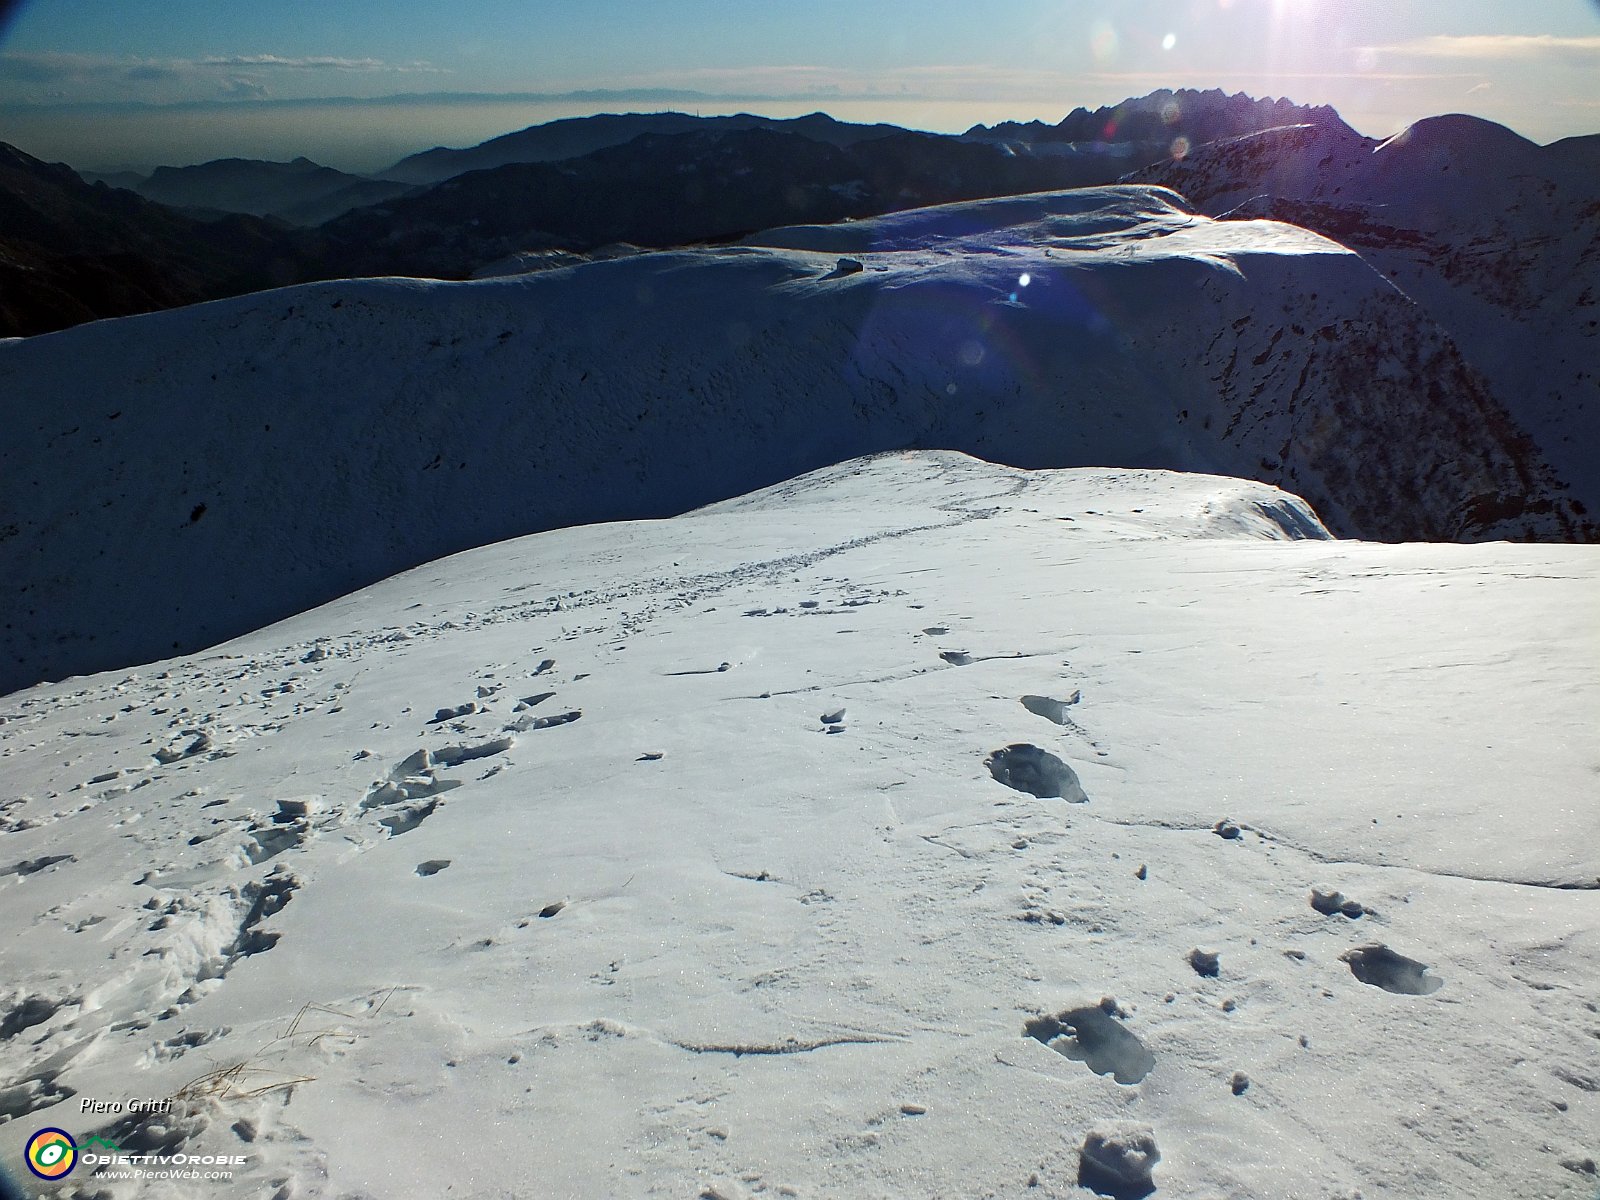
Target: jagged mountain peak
x=1165 y=114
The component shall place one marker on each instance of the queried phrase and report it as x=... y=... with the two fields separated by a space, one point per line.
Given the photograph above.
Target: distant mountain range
x=300 y=192
x=661 y=190
x=1145 y=127
x=73 y=252
x=578 y=136
x=657 y=179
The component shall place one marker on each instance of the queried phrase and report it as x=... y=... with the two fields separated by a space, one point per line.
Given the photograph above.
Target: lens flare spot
x=971 y=353
x=1168 y=42
x=1170 y=112
x=1103 y=41
x=1180 y=147
x=1024 y=279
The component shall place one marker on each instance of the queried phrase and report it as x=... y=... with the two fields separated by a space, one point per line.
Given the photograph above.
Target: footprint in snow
x=32 y=866
x=1380 y=966
x=407 y=818
x=412 y=778
x=1094 y=1036
x=524 y=723
x=34 y=1010
x=265 y=842
x=255 y=902
x=1330 y=902
x=1029 y=769
x=1051 y=710
x=450 y=756
x=1117 y=1160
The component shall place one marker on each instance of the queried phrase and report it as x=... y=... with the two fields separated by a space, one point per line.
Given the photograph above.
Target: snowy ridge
x=1497 y=238
x=216 y=468
x=899 y=830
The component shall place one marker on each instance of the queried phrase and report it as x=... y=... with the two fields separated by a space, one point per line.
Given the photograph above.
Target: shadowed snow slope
x=662 y=859
x=170 y=480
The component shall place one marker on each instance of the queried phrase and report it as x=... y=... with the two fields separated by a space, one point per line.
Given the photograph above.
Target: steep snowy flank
x=1496 y=237
x=916 y=828
x=175 y=479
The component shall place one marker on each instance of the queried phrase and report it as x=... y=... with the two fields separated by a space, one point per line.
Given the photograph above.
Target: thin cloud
x=149 y=72
x=1164 y=78
x=983 y=82
x=52 y=68
x=315 y=63
x=245 y=89
x=58 y=68
x=1495 y=46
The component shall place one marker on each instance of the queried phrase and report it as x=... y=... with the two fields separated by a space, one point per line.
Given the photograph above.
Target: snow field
x=761 y=917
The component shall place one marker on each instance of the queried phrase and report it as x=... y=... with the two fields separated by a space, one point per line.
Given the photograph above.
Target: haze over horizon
x=363 y=84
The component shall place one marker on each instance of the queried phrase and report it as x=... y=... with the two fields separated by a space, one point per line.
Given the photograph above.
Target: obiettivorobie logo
x=52 y=1154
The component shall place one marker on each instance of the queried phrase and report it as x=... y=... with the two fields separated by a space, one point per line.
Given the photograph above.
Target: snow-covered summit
x=1088 y=225
x=915 y=827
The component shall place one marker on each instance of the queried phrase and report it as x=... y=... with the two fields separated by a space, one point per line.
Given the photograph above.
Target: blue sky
x=184 y=75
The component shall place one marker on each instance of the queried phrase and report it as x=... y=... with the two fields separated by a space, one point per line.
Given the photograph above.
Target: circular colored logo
x=52 y=1154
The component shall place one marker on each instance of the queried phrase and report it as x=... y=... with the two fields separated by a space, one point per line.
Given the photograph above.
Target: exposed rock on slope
x=174 y=479
x=1497 y=238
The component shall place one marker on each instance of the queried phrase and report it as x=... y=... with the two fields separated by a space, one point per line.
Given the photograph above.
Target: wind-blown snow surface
x=170 y=480
x=711 y=885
